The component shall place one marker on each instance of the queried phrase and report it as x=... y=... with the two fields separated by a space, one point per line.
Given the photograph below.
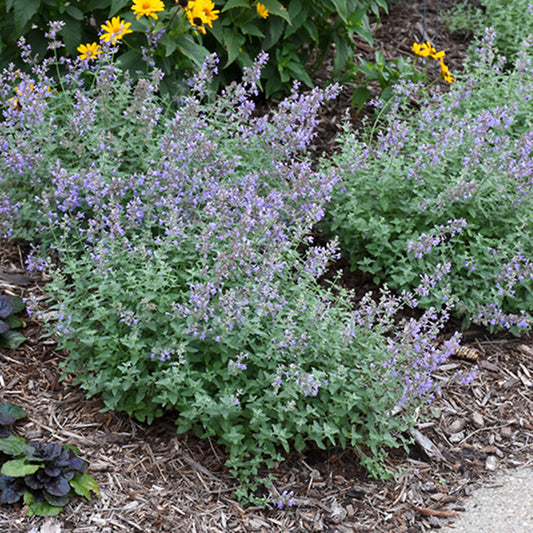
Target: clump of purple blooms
x=441 y=202
x=182 y=285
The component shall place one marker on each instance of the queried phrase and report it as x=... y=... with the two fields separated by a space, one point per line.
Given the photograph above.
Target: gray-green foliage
x=441 y=201
x=512 y=20
x=187 y=279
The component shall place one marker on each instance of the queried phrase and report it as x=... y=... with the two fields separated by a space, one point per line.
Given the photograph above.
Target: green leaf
x=130 y=60
x=275 y=31
x=24 y=11
x=233 y=42
x=84 y=484
x=40 y=508
x=14 y=321
x=342 y=9
x=341 y=53
x=360 y=97
x=17 y=304
x=191 y=49
x=14 y=445
x=275 y=8
x=252 y=29
x=365 y=33
x=13 y=410
x=96 y=4
x=11 y=339
x=18 y=468
x=117 y=5
x=230 y=4
x=298 y=72
x=74 y=12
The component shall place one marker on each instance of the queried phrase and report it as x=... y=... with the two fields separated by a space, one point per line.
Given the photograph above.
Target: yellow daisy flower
x=89 y=51
x=200 y=12
x=262 y=11
x=446 y=72
x=148 y=8
x=114 y=30
x=424 y=49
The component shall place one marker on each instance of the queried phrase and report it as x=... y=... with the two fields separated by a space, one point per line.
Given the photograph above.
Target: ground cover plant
x=10 y=306
x=439 y=201
x=178 y=235
x=512 y=22
x=43 y=476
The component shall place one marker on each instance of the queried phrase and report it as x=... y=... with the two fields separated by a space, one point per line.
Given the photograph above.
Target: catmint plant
x=184 y=273
x=439 y=203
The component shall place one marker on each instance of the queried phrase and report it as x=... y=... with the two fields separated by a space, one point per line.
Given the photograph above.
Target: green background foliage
x=297 y=34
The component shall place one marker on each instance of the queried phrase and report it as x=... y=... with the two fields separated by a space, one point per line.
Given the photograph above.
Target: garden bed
x=154 y=480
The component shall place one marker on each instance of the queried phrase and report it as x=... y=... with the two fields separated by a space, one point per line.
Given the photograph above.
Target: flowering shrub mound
x=187 y=278
x=441 y=202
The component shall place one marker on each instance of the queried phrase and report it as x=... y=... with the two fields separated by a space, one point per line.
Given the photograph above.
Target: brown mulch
x=153 y=480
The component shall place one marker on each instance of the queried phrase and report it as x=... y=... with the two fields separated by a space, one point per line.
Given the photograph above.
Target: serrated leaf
x=13 y=410
x=233 y=42
x=11 y=339
x=275 y=8
x=84 y=484
x=71 y=32
x=18 y=468
x=365 y=33
x=360 y=97
x=14 y=446
x=342 y=9
x=192 y=50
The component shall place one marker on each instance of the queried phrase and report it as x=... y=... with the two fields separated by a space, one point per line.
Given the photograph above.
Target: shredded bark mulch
x=153 y=480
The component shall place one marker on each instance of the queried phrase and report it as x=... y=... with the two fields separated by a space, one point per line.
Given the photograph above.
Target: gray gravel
x=504 y=506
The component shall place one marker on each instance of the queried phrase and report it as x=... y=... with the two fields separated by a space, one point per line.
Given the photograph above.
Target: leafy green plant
x=297 y=34
x=43 y=476
x=382 y=75
x=9 y=307
x=511 y=21
x=187 y=279
x=440 y=202
x=161 y=33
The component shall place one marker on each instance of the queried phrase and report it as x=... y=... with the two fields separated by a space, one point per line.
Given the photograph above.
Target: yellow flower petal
x=147 y=8
x=262 y=11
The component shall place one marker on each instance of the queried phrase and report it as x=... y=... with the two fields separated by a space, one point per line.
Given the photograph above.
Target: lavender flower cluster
x=441 y=203
x=182 y=281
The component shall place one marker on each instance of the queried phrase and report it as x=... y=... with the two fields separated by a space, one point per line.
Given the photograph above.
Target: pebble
x=478 y=421
x=491 y=463
x=457 y=425
x=506 y=432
